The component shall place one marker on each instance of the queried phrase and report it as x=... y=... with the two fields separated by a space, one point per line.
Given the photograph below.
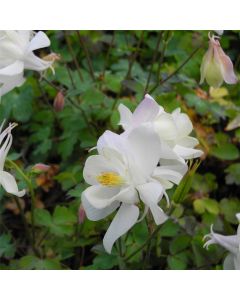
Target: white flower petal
x=8 y=182
x=94 y=166
x=183 y=123
x=187 y=153
x=32 y=62
x=40 y=40
x=166 y=127
x=95 y=214
x=125 y=218
x=168 y=174
x=228 y=263
x=146 y=148
x=100 y=196
x=125 y=116
x=188 y=141
x=146 y=111
x=151 y=193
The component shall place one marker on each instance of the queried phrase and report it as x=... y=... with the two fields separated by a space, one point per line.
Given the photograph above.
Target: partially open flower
x=216 y=66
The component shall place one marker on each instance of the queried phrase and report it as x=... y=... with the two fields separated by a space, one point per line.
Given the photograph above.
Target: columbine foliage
x=88 y=147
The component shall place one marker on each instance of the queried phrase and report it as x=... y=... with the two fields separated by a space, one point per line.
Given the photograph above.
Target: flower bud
x=216 y=66
x=81 y=214
x=40 y=168
x=59 y=102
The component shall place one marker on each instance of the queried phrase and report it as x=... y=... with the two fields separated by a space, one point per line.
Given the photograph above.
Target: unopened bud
x=59 y=102
x=216 y=66
x=40 y=168
x=81 y=214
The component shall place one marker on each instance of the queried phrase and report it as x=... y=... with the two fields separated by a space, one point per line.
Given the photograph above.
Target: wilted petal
x=9 y=184
x=125 y=218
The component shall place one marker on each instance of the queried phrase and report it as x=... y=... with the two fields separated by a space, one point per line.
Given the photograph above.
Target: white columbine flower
x=173 y=129
x=216 y=66
x=230 y=243
x=16 y=54
x=124 y=172
x=7 y=181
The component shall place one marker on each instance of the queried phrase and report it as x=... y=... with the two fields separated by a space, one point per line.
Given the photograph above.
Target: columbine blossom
x=125 y=172
x=173 y=129
x=7 y=181
x=230 y=243
x=16 y=54
x=216 y=66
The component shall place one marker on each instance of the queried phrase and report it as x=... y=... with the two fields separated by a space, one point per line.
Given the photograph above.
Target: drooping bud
x=216 y=66
x=40 y=168
x=81 y=214
x=59 y=102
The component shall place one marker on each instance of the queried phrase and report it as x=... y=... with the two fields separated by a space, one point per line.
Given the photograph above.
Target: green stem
x=32 y=196
x=85 y=49
x=144 y=244
x=176 y=71
x=153 y=60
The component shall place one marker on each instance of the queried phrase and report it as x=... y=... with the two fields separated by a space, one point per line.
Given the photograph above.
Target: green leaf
x=179 y=244
x=7 y=249
x=169 y=229
x=233 y=174
x=225 y=152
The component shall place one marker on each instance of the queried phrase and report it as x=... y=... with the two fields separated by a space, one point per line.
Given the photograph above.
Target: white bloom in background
x=16 y=54
x=216 y=66
x=7 y=181
x=173 y=129
x=219 y=32
x=230 y=243
x=125 y=172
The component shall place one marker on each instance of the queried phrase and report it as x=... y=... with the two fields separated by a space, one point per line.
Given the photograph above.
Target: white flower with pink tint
x=125 y=172
x=216 y=66
x=173 y=129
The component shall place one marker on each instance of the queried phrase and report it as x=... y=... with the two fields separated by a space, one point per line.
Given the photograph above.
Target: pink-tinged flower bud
x=217 y=66
x=59 y=102
x=81 y=214
x=40 y=168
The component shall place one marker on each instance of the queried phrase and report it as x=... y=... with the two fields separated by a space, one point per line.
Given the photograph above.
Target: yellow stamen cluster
x=110 y=179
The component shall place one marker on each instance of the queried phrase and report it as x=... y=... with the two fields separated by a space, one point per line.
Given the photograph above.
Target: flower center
x=110 y=179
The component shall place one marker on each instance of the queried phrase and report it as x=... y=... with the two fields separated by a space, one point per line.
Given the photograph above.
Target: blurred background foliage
x=97 y=71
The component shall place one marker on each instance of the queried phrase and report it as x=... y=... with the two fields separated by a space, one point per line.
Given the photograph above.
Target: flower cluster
x=17 y=54
x=137 y=166
x=230 y=243
x=7 y=181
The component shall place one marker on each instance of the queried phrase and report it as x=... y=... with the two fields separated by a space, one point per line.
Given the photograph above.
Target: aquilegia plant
x=137 y=166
